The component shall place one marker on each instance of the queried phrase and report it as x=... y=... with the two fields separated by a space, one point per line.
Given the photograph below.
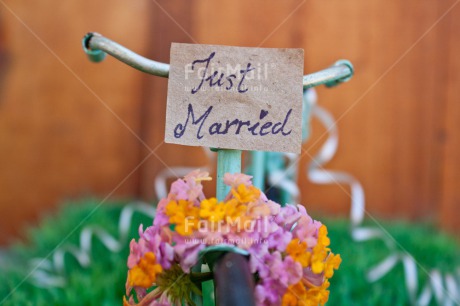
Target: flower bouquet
x=288 y=251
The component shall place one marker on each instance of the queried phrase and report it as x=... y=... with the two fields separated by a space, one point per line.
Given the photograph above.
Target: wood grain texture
x=390 y=113
x=450 y=192
x=398 y=118
x=171 y=21
x=59 y=132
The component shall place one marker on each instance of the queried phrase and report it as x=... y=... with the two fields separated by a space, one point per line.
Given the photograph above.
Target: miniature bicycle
x=234 y=284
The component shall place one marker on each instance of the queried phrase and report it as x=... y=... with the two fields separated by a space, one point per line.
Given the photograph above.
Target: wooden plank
x=57 y=140
x=171 y=21
x=400 y=139
x=450 y=201
x=388 y=140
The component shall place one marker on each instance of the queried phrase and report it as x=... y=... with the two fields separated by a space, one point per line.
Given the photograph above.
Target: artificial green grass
x=100 y=284
x=103 y=282
x=429 y=248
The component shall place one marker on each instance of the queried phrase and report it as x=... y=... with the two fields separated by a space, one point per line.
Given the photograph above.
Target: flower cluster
x=288 y=250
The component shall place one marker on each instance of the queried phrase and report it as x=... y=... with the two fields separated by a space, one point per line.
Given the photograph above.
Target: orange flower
x=184 y=215
x=246 y=194
x=320 y=251
x=297 y=294
x=144 y=273
x=332 y=263
x=212 y=210
x=298 y=251
x=294 y=295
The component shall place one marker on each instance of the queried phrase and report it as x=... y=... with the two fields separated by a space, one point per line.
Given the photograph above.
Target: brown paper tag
x=235 y=98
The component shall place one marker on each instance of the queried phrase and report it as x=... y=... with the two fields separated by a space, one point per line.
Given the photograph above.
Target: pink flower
x=234 y=180
x=187 y=252
x=136 y=251
x=279 y=239
x=281 y=274
x=306 y=230
x=258 y=209
x=287 y=271
x=274 y=207
x=210 y=237
x=269 y=292
x=179 y=190
x=161 y=219
x=257 y=259
x=197 y=176
x=154 y=239
x=189 y=188
x=288 y=216
x=186 y=190
x=195 y=189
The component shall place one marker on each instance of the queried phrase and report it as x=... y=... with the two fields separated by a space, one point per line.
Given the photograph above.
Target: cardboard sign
x=235 y=98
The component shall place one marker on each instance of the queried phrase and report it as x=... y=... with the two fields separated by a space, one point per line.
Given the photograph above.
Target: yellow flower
x=332 y=263
x=234 y=209
x=212 y=210
x=322 y=236
x=320 y=251
x=184 y=215
x=246 y=194
x=298 y=251
x=144 y=273
x=186 y=228
x=318 y=295
x=294 y=295
x=317 y=260
x=297 y=294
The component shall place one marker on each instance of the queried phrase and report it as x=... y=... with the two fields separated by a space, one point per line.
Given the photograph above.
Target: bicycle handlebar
x=97 y=46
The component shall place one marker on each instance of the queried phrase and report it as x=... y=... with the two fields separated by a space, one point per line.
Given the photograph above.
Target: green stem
x=198 y=277
x=228 y=161
x=258 y=164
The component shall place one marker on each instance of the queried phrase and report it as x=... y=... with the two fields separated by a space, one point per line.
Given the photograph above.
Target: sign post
x=228 y=161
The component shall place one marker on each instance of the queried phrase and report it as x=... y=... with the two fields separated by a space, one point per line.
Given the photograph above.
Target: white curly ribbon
x=445 y=289
x=286 y=179
x=49 y=273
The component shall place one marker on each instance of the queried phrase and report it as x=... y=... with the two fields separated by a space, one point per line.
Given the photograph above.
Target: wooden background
x=70 y=128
